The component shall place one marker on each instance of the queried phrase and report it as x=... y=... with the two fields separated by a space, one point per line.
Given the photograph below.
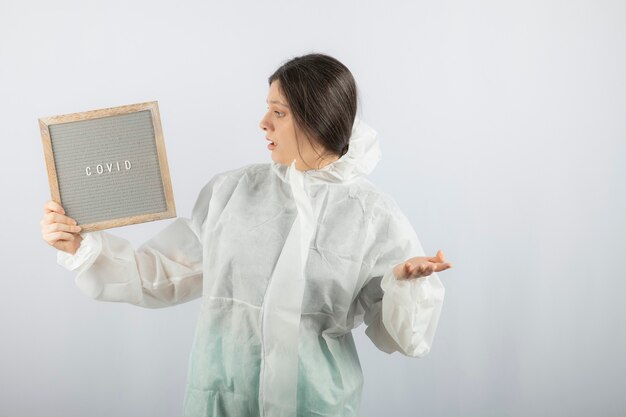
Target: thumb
x=438 y=258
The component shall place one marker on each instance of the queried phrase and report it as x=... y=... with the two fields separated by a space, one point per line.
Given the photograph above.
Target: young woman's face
x=280 y=128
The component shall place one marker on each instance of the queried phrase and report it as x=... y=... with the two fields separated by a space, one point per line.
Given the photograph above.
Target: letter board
x=108 y=167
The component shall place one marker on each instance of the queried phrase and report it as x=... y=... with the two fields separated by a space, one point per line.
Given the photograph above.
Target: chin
x=278 y=159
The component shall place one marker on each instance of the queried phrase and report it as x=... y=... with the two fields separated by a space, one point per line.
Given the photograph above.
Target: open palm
x=421 y=266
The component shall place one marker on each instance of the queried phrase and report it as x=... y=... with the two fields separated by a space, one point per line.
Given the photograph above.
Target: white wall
x=503 y=135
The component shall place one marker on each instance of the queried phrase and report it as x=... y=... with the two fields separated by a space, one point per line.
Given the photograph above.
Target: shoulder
x=388 y=224
x=381 y=205
x=218 y=190
x=238 y=173
x=234 y=176
x=391 y=231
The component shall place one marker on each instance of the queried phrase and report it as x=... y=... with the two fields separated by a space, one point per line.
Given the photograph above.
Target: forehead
x=275 y=95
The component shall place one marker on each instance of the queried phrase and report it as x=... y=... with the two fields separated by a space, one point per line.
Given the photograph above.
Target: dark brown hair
x=322 y=96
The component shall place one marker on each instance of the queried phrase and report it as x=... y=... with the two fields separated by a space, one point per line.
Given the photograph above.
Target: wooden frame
x=47 y=140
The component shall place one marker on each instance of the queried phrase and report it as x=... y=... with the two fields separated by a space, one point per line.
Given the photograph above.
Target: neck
x=301 y=166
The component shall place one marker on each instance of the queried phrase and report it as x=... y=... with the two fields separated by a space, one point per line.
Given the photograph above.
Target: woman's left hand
x=421 y=266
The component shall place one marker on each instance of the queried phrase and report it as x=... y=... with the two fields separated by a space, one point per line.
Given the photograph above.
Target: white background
x=502 y=126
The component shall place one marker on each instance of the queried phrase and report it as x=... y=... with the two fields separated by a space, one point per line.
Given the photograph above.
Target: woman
x=288 y=257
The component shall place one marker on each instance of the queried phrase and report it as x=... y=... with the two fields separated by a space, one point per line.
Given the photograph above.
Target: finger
x=424 y=270
x=416 y=270
x=54 y=237
x=420 y=270
x=438 y=257
x=62 y=227
x=52 y=205
x=439 y=267
x=54 y=217
x=407 y=270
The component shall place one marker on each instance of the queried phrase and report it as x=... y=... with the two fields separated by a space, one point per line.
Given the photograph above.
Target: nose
x=264 y=124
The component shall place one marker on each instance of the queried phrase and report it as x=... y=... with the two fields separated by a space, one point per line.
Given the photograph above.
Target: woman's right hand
x=59 y=230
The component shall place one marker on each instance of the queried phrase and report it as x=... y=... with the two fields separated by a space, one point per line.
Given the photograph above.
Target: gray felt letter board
x=108 y=167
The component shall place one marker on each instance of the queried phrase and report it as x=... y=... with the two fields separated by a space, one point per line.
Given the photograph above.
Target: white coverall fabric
x=287 y=263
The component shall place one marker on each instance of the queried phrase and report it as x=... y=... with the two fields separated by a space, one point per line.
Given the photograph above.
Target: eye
x=277 y=113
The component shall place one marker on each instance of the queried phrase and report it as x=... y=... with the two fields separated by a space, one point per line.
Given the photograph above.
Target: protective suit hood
x=361 y=159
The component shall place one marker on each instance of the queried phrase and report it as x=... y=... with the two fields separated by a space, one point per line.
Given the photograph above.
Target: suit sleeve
x=165 y=270
x=400 y=315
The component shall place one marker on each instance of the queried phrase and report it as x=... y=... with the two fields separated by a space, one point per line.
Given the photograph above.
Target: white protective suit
x=287 y=263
